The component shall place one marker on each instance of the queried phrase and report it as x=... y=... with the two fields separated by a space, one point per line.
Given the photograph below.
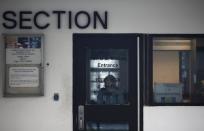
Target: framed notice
x=23 y=65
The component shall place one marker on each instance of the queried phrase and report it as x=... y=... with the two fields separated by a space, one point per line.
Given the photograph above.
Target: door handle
x=81 y=117
x=194 y=78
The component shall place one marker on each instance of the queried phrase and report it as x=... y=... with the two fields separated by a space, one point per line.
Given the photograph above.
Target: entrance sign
x=23 y=65
x=105 y=63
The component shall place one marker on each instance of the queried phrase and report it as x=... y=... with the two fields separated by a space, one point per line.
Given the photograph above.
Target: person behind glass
x=110 y=94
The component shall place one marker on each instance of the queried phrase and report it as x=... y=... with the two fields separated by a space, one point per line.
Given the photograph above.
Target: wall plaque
x=23 y=64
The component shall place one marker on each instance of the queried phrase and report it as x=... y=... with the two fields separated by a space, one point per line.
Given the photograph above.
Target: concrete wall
x=125 y=16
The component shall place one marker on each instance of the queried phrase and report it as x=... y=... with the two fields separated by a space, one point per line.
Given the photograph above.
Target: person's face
x=109 y=83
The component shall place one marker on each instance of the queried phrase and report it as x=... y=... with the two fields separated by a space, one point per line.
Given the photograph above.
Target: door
x=106 y=82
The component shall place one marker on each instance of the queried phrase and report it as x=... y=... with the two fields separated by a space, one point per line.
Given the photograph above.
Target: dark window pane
x=198 y=96
x=94 y=126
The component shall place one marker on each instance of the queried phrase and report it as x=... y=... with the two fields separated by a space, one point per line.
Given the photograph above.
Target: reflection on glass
x=178 y=70
x=172 y=70
x=94 y=126
x=198 y=96
x=185 y=69
x=108 y=77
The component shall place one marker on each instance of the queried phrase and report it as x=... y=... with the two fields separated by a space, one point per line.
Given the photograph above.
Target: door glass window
x=94 y=126
x=107 y=76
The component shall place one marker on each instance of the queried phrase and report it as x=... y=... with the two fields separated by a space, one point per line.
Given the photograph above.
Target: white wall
x=125 y=16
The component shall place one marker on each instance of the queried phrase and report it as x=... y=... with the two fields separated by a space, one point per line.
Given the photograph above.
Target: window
x=108 y=68
x=176 y=70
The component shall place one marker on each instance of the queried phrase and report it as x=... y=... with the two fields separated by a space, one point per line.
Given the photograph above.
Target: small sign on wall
x=23 y=77
x=23 y=65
